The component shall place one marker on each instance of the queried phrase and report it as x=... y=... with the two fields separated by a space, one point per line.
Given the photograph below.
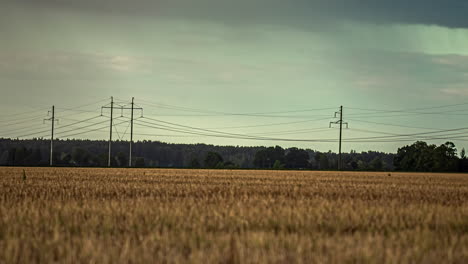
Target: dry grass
x=202 y=216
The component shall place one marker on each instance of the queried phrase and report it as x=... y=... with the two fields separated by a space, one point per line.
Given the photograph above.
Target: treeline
x=93 y=153
x=431 y=158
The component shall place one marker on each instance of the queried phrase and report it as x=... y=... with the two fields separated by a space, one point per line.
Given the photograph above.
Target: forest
x=419 y=156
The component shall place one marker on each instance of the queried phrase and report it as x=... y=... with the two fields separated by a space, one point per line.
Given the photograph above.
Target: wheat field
x=63 y=215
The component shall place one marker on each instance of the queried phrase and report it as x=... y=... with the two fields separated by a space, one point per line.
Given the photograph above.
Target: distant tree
x=446 y=157
x=362 y=165
x=297 y=158
x=80 y=156
x=463 y=162
x=121 y=159
x=20 y=156
x=212 y=159
x=4 y=158
x=103 y=159
x=322 y=161
x=266 y=158
x=11 y=157
x=229 y=165
x=34 y=158
x=278 y=165
x=423 y=157
x=194 y=163
x=140 y=162
x=63 y=159
x=376 y=164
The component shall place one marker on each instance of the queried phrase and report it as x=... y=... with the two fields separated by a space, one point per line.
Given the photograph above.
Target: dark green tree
x=297 y=159
x=376 y=164
x=80 y=156
x=140 y=162
x=278 y=165
x=212 y=159
x=322 y=161
x=423 y=157
x=121 y=159
x=194 y=163
x=266 y=158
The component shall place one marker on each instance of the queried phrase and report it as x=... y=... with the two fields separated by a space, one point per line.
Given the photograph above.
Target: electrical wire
x=390 y=124
x=219 y=113
x=89 y=131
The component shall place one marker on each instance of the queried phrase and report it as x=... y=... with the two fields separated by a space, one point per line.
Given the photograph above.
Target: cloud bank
x=446 y=13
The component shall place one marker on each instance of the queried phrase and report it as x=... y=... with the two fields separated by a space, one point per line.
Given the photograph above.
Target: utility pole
x=122 y=107
x=341 y=123
x=53 y=120
x=132 y=108
x=111 y=107
x=110 y=132
x=131 y=135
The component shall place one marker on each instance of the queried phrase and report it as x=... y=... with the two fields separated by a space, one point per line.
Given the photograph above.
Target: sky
x=251 y=72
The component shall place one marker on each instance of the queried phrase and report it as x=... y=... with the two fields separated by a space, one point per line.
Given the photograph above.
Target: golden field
x=63 y=215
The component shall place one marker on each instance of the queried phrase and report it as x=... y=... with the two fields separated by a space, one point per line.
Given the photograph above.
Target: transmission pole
x=341 y=123
x=53 y=120
x=122 y=106
x=110 y=132
x=111 y=107
x=132 y=108
x=131 y=135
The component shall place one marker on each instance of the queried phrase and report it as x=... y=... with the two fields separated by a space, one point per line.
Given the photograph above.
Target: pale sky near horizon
x=386 y=62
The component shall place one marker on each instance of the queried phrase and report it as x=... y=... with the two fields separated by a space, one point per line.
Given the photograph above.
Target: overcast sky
x=244 y=56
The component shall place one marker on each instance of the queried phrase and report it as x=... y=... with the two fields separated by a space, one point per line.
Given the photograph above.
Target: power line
x=24 y=113
x=221 y=113
x=31 y=128
x=272 y=124
x=74 y=129
x=22 y=120
x=92 y=130
x=409 y=109
x=390 y=124
x=83 y=105
x=413 y=134
x=394 y=138
x=222 y=134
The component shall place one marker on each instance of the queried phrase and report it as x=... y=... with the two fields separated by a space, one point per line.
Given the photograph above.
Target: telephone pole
x=341 y=123
x=53 y=120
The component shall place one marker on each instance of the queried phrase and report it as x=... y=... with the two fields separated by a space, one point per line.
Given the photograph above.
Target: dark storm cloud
x=447 y=13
